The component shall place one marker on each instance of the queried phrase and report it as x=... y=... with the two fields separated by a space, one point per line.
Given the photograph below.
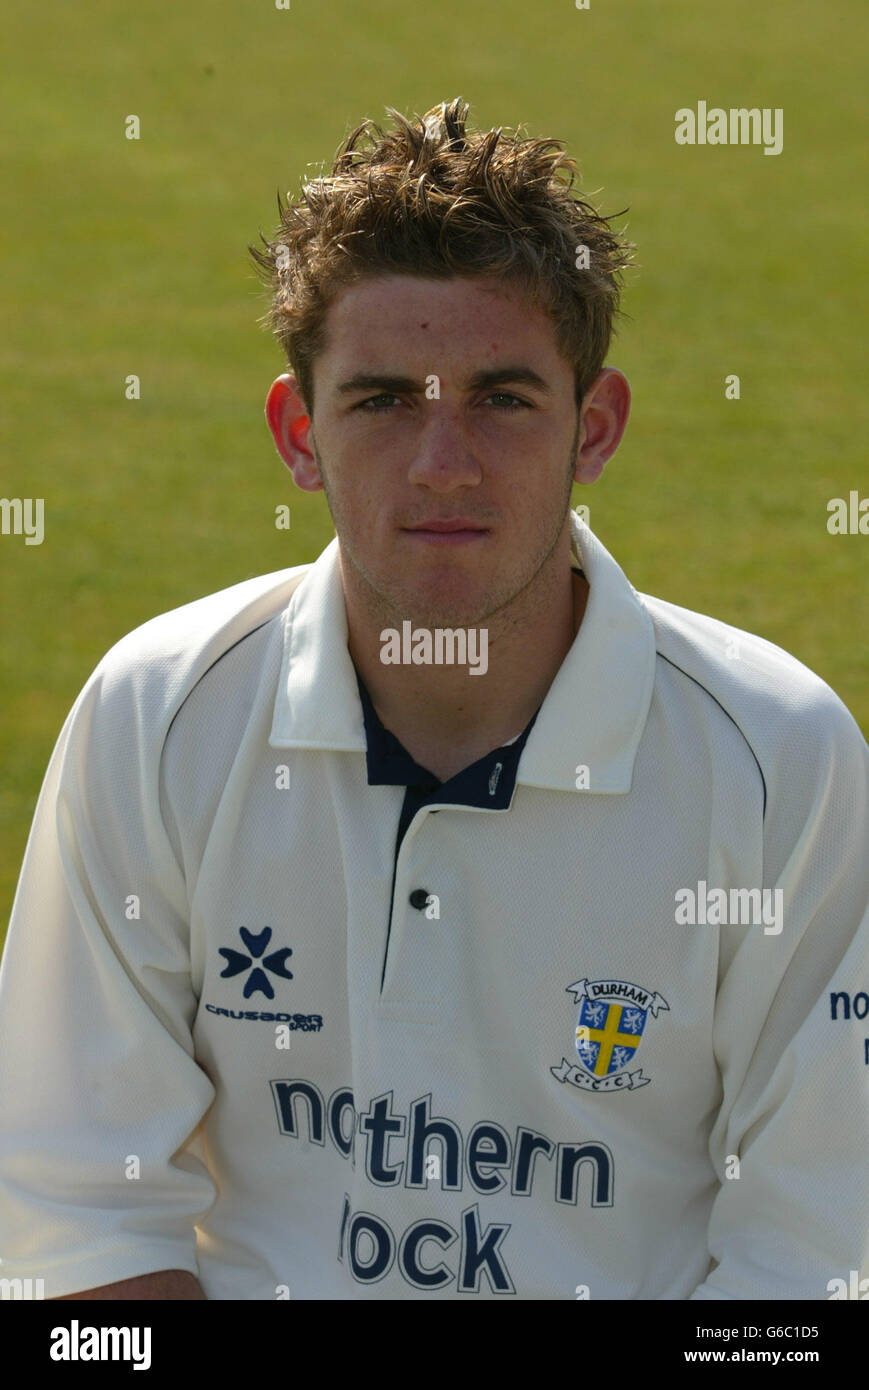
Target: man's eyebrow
x=513 y=372
x=397 y=385
x=373 y=381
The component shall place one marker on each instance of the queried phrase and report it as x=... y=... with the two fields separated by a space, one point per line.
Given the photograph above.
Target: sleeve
x=791 y=1034
x=100 y=1092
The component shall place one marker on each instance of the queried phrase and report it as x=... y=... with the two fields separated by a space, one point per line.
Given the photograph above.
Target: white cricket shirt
x=514 y=1068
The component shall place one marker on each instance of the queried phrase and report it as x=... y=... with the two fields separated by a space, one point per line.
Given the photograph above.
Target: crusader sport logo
x=609 y=1029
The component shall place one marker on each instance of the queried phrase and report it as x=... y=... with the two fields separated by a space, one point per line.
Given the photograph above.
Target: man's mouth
x=458 y=524
x=458 y=531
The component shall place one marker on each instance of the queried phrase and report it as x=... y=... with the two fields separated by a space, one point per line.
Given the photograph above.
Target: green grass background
x=129 y=257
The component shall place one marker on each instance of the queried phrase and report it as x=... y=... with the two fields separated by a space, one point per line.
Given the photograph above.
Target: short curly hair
x=430 y=199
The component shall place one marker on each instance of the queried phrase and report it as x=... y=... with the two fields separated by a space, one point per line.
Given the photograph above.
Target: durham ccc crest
x=610 y=1025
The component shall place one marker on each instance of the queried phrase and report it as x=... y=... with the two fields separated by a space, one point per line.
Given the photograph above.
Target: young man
x=343 y=969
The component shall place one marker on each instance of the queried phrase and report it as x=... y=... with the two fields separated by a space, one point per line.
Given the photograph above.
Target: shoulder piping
x=677 y=667
x=216 y=662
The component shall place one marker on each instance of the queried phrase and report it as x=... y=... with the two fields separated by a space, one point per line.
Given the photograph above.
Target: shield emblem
x=608 y=1034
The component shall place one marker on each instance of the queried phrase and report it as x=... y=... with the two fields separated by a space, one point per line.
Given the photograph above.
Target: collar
x=488 y=782
x=593 y=714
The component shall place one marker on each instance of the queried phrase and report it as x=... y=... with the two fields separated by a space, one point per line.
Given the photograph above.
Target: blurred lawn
x=129 y=257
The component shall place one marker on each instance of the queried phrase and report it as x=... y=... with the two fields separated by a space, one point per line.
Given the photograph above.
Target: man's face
x=467 y=411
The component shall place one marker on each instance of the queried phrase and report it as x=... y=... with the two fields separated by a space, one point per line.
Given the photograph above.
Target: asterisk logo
x=236 y=961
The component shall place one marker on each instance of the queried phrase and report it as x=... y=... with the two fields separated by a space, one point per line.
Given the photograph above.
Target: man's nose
x=443 y=457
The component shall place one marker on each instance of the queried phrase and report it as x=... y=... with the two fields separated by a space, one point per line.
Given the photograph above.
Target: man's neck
x=445 y=717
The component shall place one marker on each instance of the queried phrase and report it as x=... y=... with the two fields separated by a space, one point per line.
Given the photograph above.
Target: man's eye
x=370 y=405
x=516 y=403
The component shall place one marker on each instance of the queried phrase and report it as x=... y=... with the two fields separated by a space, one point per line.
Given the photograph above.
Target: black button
x=418 y=898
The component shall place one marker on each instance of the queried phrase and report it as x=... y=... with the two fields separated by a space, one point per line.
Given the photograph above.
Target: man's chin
x=438 y=603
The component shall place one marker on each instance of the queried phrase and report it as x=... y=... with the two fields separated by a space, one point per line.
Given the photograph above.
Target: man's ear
x=287 y=418
x=605 y=408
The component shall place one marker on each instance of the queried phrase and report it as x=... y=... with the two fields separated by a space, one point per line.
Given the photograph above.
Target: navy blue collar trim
x=487 y=782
